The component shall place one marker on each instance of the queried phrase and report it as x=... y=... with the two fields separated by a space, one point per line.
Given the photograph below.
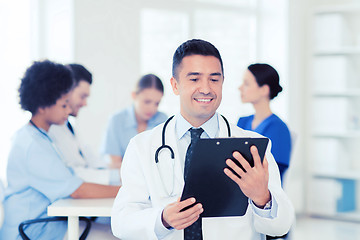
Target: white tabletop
x=74 y=208
x=81 y=207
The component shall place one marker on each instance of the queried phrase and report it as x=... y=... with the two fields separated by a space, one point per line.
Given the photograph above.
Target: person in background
x=36 y=173
x=261 y=85
x=141 y=116
x=76 y=155
x=1 y=204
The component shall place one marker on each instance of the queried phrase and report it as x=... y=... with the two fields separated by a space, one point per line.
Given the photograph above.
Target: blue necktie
x=70 y=128
x=192 y=232
x=72 y=131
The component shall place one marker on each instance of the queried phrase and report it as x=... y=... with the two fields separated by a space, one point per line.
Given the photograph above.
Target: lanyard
x=47 y=136
x=42 y=132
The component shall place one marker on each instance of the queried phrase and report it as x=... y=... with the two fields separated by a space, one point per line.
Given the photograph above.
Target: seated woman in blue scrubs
x=259 y=87
x=36 y=174
x=1 y=205
x=141 y=116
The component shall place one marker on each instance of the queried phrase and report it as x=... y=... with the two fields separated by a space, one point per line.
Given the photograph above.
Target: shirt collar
x=210 y=127
x=132 y=122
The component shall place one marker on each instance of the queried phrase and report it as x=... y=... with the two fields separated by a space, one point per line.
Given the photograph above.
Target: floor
x=324 y=229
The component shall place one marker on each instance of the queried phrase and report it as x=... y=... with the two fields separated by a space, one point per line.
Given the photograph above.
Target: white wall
x=295 y=179
x=106 y=39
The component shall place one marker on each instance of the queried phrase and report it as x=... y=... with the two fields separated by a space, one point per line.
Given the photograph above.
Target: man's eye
x=215 y=80
x=193 y=79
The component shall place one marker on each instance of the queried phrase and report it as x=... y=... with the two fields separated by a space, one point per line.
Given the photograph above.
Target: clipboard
x=207 y=182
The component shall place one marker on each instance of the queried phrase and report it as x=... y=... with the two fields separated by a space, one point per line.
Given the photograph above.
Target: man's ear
x=40 y=110
x=133 y=95
x=174 y=85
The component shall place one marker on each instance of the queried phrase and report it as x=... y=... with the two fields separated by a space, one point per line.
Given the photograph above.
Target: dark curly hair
x=43 y=84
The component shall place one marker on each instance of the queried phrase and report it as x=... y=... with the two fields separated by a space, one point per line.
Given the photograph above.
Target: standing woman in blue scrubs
x=261 y=85
x=141 y=116
x=36 y=174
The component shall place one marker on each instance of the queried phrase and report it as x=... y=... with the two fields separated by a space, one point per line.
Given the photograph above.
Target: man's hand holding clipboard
x=253 y=181
x=225 y=172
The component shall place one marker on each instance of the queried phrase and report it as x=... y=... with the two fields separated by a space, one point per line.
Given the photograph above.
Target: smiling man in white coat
x=148 y=204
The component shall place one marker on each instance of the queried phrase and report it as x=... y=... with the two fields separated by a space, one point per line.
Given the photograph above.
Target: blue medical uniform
x=277 y=131
x=122 y=127
x=36 y=177
x=2 y=194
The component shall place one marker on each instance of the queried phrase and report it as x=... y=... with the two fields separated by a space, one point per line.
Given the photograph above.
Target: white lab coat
x=144 y=195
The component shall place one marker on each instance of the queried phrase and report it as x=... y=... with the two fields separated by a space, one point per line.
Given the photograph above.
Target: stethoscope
x=164 y=146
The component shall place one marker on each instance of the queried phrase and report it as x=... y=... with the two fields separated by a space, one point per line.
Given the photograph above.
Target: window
x=233 y=27
x=15 y=23
x=25 y=37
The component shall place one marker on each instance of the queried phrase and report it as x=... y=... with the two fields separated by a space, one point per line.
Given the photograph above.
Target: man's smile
x=203 y=100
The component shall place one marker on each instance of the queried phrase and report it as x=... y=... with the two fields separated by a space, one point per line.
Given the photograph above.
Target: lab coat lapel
x=165 y=160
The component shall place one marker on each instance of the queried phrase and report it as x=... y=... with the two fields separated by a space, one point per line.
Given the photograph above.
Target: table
x=75 y=208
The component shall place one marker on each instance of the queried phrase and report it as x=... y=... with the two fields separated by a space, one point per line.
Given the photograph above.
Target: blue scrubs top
x=36 y=177
x=277 y=131
x=2 y=194
x=122 y=127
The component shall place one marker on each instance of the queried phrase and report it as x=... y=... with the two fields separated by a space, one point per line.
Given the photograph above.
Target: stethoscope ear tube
x=163 y=145
x=228 y=125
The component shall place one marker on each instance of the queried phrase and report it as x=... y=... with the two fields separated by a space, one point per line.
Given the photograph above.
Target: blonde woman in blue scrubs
x=259 y=87
x=36 y=174
x=141 y=116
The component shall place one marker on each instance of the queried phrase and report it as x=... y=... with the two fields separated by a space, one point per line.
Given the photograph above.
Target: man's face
x=78 y=97
x=199 y=85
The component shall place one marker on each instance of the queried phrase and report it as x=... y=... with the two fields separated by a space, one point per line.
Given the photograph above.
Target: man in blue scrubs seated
x=141 y=116
x=259 y=87
x=87 y=165
x=36 y=174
